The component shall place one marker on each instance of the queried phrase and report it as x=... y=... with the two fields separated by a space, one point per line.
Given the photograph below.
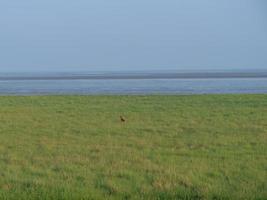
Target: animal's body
x=122 y=119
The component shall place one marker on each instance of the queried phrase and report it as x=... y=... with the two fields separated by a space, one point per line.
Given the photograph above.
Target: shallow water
x=134 y=86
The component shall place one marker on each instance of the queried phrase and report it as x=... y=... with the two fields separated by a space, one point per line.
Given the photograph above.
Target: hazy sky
x=132 y=34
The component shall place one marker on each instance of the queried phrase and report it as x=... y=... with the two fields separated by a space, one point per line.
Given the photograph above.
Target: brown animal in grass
x=122 y=119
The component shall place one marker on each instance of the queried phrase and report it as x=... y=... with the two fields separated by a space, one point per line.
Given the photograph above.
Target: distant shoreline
x=121 y=76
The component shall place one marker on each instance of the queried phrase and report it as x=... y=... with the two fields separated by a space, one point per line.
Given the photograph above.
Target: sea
x=134 y=83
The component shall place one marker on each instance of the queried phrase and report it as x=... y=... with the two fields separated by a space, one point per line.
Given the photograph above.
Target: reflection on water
x=135 y=86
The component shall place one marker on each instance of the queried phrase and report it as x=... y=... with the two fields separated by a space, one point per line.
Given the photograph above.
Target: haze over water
x=71 y=38
x=126 y=35
x=134 y=83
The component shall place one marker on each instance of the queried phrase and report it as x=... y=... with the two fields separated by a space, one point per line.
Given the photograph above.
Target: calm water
x=134 y=86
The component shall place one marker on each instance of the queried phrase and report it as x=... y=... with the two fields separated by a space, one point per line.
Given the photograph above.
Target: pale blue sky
x=132 y=34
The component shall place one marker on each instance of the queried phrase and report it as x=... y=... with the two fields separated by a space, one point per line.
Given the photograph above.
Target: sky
x=97 y=35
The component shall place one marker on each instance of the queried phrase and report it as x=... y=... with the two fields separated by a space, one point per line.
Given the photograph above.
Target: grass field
x=170 y=147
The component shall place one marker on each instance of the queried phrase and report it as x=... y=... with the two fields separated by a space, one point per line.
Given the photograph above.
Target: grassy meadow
x=170 y=147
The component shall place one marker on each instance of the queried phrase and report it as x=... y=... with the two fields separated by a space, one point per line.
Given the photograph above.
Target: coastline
x=129 y=76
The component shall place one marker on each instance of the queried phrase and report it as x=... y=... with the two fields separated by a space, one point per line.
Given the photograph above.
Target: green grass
x=171 y=147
